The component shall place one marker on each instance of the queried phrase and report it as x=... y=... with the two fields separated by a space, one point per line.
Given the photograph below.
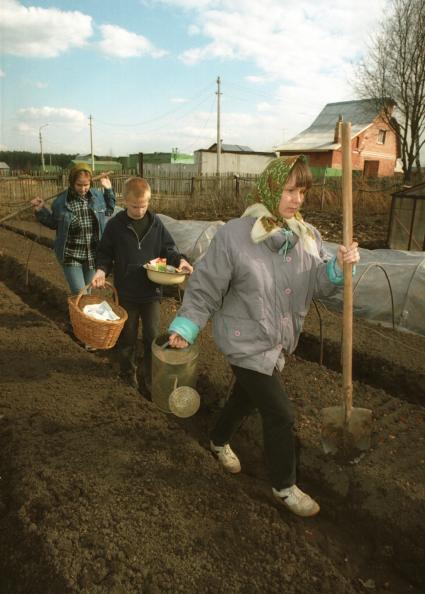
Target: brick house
x=374 y=144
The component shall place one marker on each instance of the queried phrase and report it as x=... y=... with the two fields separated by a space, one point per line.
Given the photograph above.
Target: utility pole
x=91 y=142
x=43 y=166
x=218 y=93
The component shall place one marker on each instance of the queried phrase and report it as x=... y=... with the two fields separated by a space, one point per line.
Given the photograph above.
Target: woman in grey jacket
x=256 y=282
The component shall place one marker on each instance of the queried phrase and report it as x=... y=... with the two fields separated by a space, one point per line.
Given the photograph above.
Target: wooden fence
x=17 y=191
x=182 y=195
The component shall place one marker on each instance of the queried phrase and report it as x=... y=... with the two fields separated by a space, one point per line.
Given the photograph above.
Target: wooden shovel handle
x=25 y=208
x=104 y=174
x=347 y=227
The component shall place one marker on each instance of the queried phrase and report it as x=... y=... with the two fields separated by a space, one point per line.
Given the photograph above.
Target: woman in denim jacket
x=79 y=217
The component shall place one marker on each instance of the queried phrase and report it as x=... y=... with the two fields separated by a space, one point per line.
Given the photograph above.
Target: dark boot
x=128 y=369
x=130 y=378
x=147 y=372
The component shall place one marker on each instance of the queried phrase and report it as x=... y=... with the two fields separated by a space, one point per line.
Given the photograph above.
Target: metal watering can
x=174 y=376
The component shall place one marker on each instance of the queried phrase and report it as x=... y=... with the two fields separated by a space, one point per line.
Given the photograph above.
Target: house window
x=381 y=136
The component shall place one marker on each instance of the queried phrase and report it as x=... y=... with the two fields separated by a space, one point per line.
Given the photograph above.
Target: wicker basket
x=100 y=334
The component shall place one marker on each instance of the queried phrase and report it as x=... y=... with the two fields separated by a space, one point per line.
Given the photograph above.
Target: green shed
x=99 y=166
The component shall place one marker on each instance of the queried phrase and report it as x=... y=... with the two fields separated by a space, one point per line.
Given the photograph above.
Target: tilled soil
x=103 y=493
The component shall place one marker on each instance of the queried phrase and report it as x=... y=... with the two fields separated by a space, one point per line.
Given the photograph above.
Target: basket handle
x=81 y=293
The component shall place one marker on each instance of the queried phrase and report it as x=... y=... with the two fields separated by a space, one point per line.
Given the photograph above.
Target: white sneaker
x=227 y=457
x=296 y=501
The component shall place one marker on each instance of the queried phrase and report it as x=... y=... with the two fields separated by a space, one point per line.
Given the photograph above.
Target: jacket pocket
x=240 y=336
x=250 y=306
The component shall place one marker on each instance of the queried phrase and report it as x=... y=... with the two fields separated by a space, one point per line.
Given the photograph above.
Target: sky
x=146 y=71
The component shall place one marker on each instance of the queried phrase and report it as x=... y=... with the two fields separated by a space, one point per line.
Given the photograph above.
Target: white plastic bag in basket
x=101 y=311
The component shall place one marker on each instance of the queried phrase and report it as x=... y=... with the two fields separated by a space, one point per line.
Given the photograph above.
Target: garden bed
x=101 y=492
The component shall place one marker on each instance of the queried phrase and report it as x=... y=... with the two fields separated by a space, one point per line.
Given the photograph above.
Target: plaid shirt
x=83 y=234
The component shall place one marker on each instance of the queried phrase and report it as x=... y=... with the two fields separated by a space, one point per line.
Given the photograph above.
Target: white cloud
x=41 y=32
x=26 y=129
x=193 y=30
x=192 y=4
x=303 y=51
x=120 y=43
x=284 y=40
x=2 y=73
x=264 y=106
x=296 y=58
x=56 y=114
x=255 y=79
x=67 y=129
x=41 y=85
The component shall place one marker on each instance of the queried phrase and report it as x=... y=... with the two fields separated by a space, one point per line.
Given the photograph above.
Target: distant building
x=157 y=158
x=4 y=168
x=234 y=158
x=129 y=162
x=375 y=150
x=168 y=158
x=50 y=169
x=99 y=166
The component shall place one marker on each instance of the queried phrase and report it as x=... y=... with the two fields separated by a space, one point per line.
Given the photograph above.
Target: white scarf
x=265 y=226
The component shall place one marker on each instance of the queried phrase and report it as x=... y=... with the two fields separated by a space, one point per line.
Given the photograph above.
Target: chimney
x=337 y=133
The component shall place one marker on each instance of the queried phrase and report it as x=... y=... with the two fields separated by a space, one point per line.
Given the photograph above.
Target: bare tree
x=393 y=73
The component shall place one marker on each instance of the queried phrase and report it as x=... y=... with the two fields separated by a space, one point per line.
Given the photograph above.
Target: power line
x=210 y=113
x=171 y=111
x=181 y=118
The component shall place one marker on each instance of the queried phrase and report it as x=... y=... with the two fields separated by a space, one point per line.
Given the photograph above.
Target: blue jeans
x=78 y=277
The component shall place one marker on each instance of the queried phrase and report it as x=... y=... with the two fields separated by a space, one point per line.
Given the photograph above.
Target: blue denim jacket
x=101 y=203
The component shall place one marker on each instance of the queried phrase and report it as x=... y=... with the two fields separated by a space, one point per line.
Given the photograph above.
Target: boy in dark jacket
x=132 y=238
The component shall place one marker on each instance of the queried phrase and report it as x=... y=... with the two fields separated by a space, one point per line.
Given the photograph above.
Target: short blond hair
x=137 y=186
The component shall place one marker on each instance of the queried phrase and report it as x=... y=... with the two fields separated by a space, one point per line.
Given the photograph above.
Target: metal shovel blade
x=348 y=437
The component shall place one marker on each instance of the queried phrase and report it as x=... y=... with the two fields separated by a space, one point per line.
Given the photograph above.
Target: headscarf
x=76 y=169
x=268 y=193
